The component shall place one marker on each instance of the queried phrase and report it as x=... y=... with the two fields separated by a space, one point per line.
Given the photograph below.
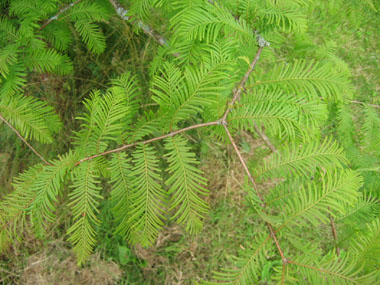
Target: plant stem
x=241 y=85
x=362 y=103
x=124 y=147
x=56 y=16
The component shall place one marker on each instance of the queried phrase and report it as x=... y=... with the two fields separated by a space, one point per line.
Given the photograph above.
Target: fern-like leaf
x=31 y=117
x=84 y=202
x=102 y=123
x=147 y=199
x=313 y=203
x=186 y=185
x=366 y=246
x=246 y=268
x=47 y=186
x=121 y=190
x=207 y=22
x=91 y=35
x=13 y=207
x=308 y=78
x=332 y=270
x=302 y=161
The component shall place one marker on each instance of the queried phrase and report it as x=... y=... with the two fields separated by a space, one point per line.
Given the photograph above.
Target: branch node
x=261 y=41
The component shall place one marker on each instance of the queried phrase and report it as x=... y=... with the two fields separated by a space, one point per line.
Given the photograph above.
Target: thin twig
x=124 y=147
x=362 y=103
x=264 y=138
x=272 y=232
x=335 y=234
x=56 y=16
x=23 y=139
x=146 y=29
x=241 y=85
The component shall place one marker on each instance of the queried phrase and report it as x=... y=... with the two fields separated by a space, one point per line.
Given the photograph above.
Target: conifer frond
x=366 y=208
x=141 y=8
x=43 y=60
x=47 y=186
x=87 y=10
x=346 y=126
x=148 y=199
x=247 y=267
x=8 y=57
x=366 y=246
x=58 y=34
x=120 y=167
x=8 y=30
x=310 y=113
x=184 y=94
x=13 y=207
x=31 y=117
x=102 y=120
x=84 y=202
x=282 y=114
x=310 y=78
x=15 y=80
x=65 y=66
x=371 y=128
x=32 y=8
x=282 y=15
x=128 y=85
x=314 y=202
x=148 y=124
x=332 y=270
x=186 y=185
x=91 y=35
x=208 y=22
x=302 y=161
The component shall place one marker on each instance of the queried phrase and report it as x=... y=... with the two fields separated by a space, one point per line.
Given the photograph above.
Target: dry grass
x=56 y=264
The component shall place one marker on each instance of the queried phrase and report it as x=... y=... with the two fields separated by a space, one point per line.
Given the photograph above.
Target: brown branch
x=23 y=139
x=146 y=29
x=236 y=97
x=362 y=103
x=240 y=87
x=264 y=138
x=272 y=232
x=56 y=16
x=335 y=234
x=124 y=147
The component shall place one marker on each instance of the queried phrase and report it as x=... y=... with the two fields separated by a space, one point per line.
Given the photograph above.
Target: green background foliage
x=83 y=78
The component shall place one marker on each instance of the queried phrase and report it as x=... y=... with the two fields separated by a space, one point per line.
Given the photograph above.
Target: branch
x=362 y=103
x=24 y=140
x=56 y=16
x=124 y=147
x=272 y=232
x=236 y=97
x=146 y=29
x=335 y=234
x=264 y=137
x=241 y=85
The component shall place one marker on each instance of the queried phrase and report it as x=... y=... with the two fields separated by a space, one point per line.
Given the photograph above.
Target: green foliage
x=84 y=200
x=147 y=198
x=324 y=168
x=186 y=185
x=32 y=117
